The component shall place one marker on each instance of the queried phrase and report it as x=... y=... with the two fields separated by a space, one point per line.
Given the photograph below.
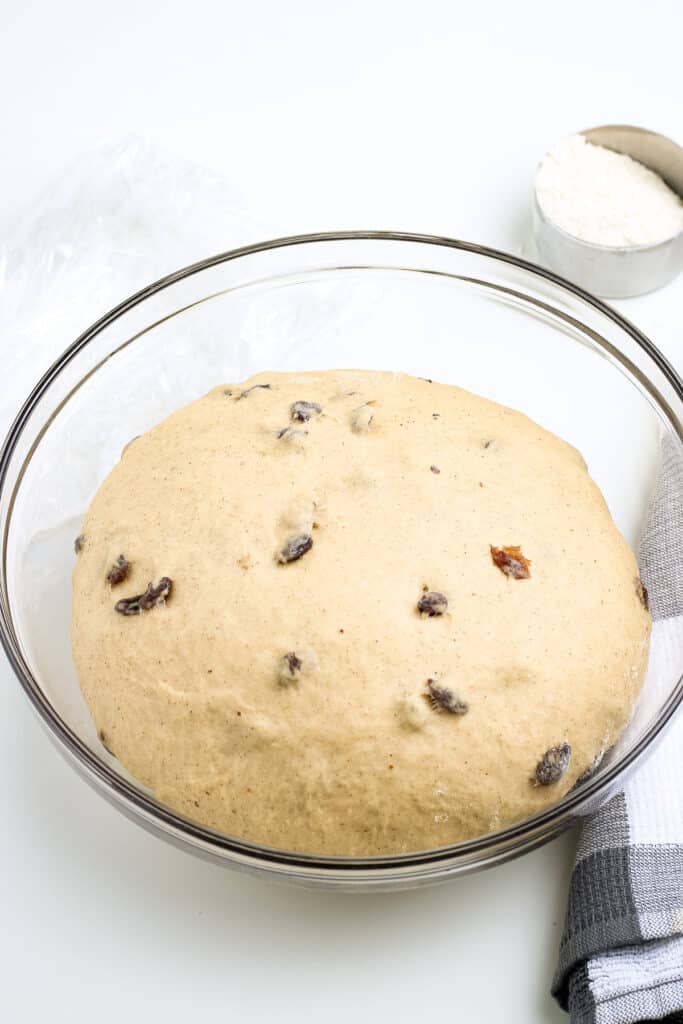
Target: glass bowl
x=431 y=306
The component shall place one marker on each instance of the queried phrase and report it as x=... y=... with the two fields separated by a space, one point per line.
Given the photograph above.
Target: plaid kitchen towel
x=621 y=955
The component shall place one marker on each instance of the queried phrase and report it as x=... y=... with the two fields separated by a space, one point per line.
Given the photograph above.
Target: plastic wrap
x=121 y=216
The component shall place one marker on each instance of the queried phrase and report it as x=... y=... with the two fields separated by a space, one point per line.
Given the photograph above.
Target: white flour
x=604 y=197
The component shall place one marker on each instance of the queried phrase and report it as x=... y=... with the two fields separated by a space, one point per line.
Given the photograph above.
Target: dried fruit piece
x=129 y=605
x=553 y=765
x=435 y=469
x=152 y=597
x=295 y=548
x=296 y=666
x=156 y=595
x=294 y=663
x=444 y=699
x=511 y=561
x=289 y=669
x=78 y=543
x=361 y=418
x=254 y=387
x=119 y=571
x=641 y=591
x=303 y=411
x=432 y=603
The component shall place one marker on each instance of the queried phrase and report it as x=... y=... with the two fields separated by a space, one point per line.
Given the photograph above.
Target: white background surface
x=426 y=117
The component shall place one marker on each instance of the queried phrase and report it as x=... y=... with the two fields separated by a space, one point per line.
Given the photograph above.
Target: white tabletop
x=426 y=117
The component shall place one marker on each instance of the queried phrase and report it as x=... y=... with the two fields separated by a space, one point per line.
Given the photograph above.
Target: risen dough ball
x=282 y=692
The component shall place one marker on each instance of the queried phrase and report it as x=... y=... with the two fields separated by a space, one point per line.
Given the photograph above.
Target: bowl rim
x=144 y=808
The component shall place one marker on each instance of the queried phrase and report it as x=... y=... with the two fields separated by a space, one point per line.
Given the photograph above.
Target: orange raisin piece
x=511 y=561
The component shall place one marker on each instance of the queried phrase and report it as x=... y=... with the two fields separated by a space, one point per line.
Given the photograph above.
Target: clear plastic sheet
x=121 y=216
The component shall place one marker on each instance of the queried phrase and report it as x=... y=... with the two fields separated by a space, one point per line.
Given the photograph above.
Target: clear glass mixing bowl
x=430 y=306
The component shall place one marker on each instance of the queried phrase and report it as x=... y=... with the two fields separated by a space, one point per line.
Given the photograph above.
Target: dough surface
x=403 y=486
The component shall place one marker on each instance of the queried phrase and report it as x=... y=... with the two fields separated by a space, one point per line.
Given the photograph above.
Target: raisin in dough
x=286 y=700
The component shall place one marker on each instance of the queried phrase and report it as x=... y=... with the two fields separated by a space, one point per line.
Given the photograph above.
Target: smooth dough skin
x=403 y=485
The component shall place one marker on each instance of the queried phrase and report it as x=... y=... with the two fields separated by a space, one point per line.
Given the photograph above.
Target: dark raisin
x=432 y=603
x=78 y=543
x=443 y=699
x=641 y=591
x=156 y=595
x=254 y=387
x=294 y=663
x=511 y=561
x=435 y=469
x=487 y=444
x=152 y=597
x=119 y=571
x=295 y=548
x=129 y=605
x=303 y=411
x=427 y=380
x=553 y=765
x=435 y=415
x=289 y=669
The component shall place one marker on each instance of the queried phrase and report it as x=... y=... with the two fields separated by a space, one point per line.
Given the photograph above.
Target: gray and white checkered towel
x=621 y=955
